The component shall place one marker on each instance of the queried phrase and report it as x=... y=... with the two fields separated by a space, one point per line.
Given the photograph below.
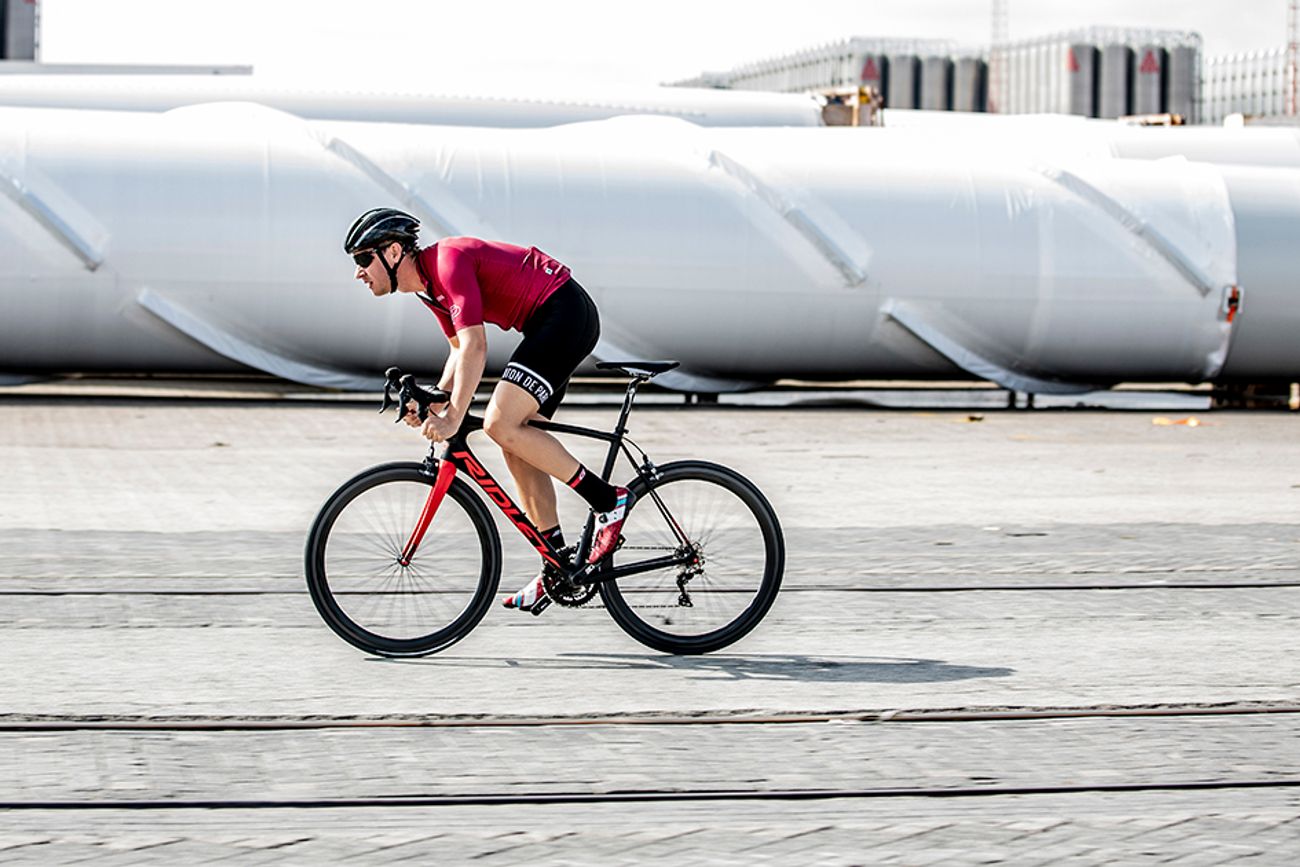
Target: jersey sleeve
x=443 y=319
x=457 y=275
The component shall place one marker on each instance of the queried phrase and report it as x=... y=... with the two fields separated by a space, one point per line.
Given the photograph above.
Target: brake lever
x=392 y=376
x=411 y=391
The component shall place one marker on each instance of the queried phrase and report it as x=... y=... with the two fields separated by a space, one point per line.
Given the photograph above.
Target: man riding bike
x=466 y=282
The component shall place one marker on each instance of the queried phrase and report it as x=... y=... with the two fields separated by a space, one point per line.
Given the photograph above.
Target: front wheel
x=728 y=536
x=377 y=596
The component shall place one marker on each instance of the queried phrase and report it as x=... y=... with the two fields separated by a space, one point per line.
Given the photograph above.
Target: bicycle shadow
x=798 y=667
x=772 y=667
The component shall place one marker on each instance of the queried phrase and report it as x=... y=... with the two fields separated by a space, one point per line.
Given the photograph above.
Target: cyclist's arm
x=470 y=351
x=448 y=380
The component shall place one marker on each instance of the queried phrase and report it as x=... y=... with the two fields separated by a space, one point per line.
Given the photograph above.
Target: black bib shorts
x=557 y=338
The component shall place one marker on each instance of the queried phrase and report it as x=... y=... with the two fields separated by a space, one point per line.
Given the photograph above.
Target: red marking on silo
x=870 y=71
x=1149 y=64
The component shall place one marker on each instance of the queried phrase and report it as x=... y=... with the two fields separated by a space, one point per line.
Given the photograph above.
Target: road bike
x=404 y=559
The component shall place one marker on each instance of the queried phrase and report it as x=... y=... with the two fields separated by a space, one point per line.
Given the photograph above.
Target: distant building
x=1097 y=72
x=17 y=30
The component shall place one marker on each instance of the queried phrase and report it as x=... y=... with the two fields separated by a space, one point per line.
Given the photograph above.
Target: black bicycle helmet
x=379 y=227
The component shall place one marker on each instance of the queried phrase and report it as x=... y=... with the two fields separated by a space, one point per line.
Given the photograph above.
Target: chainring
x=563 y=591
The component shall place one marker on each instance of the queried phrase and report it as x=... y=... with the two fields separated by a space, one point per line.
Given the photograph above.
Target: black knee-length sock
x=599 y=493
x=555 y=536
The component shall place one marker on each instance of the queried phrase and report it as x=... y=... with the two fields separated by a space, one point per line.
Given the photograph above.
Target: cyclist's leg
x=536 y=490
x=506 y=422
x=560 y=334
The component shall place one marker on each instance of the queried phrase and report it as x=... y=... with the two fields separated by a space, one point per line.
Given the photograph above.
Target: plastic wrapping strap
x=228 y=344
x=1152 y=237
x=793 y=215
x=396 y=188
x=50 y=221
x=976 y=363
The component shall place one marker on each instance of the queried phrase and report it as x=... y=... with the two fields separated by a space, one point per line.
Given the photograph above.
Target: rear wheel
x=369 y=597
x=724 y=526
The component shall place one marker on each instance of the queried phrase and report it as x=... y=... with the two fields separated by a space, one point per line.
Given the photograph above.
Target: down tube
x=502 y=500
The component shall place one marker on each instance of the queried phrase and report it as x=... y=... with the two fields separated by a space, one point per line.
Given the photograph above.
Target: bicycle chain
x=564 y=593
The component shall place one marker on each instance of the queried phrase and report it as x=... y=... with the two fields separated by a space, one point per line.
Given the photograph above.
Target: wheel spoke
x=373 y=600
x=738 y=542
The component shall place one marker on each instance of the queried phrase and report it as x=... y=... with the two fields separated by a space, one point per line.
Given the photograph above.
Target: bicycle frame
x=458 y=457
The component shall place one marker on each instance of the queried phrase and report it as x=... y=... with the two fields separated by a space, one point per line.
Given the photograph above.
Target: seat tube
x=620 y=428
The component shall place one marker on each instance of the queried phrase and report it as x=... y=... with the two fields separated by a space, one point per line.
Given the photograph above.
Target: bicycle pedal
x=540 y=605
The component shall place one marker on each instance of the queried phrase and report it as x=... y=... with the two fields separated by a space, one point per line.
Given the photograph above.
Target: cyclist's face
x=373 y=273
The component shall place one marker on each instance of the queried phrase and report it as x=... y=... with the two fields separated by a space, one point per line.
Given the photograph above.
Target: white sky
x=531 y=44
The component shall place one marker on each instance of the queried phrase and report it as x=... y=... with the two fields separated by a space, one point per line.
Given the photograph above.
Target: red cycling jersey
x=469 y=281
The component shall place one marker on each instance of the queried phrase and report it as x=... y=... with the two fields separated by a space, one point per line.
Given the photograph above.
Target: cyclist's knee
x=502 y=430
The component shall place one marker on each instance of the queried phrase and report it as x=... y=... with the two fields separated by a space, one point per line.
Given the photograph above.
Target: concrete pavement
x=149 y=573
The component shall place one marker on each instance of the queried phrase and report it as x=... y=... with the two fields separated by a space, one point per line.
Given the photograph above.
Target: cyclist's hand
x=412 y=416
x=439 y=428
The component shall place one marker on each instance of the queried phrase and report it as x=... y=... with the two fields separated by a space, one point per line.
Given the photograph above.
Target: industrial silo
x=1081 y=74
x=969 y=84
x=1148 y=81
x=871 y=72
x=936 y=84
x=904 y=81
x=1181 y=80
x=1115 y=84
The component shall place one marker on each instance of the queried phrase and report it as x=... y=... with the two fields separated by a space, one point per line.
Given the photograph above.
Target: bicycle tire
x=742 y=555
x=358 y=584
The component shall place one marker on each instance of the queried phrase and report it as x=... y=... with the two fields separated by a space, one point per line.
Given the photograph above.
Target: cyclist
x=467 y=282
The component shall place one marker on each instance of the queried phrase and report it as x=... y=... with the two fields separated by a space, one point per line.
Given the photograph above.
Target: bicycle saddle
x=646 y=369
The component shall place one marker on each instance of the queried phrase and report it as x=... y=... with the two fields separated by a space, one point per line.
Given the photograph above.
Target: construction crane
x=1292 y=48
x=998 y=55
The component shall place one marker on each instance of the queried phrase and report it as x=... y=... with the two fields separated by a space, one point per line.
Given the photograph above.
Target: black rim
x=378 y=604
x=732 y=531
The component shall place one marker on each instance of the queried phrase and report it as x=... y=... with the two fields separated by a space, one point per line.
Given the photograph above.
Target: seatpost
x=632 y=386
x=621 y=427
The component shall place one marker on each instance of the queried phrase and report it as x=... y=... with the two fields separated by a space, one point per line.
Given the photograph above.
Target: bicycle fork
x=446 y=473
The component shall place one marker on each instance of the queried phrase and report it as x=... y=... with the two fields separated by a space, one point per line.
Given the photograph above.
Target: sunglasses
x=364 y=258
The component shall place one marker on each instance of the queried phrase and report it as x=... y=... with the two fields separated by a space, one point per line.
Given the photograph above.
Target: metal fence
x=1255 y=84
